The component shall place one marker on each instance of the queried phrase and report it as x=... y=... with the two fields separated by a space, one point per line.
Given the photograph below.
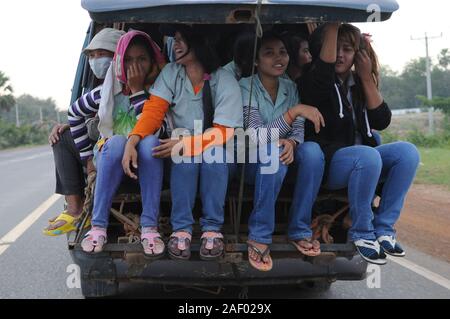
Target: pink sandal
x=94 y=240
x=180 y=245
x=212 y=246
x=152 y=243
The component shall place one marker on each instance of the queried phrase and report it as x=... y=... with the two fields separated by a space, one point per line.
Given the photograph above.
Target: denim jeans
x=360 y=169
x=184 y=183
x=306 y=176
x=377 y=136
x=110 y=175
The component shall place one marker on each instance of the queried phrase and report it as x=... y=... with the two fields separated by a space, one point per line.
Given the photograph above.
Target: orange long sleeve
x=152 y=117
x=196 y=145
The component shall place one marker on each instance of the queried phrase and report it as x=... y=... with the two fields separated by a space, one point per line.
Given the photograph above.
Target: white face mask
x=100 y=66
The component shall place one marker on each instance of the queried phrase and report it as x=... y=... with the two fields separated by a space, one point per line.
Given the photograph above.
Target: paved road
x=34 y=266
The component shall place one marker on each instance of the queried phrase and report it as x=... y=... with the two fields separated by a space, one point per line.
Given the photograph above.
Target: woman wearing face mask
x=193 y=89
x=352 y=106
x=70 y=178
x=275 y=106
x=136 y=65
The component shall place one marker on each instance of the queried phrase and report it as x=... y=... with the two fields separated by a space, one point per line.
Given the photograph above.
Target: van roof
x=236 y=11
x=114 y=5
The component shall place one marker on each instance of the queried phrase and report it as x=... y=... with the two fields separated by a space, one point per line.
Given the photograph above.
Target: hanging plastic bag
x=124 y=122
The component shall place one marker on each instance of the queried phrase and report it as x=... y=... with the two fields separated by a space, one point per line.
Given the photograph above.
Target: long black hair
x=139 y=40
x=243 y=52
x=269 y=36
x=294 y=43
x=244 y=49
x=201 y=45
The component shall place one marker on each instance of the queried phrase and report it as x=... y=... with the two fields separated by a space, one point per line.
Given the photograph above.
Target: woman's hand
x=363 y=65
x=310 y=113
x=287 y=155
x=165 y=149
x=311 y=27
x=130 y=159
x=135 y=78
x=57 y=130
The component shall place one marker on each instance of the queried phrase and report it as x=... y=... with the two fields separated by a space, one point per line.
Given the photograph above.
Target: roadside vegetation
x=25 y=120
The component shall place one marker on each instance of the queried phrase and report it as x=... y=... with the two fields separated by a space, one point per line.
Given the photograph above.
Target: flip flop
x=311 y=252
x=70 y=225
x=260 y=265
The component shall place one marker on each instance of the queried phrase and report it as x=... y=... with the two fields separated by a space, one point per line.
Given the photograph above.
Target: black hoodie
x=319 y=87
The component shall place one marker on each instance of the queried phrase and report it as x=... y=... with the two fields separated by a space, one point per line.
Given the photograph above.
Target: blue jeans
x=307 y=177
x=110 y=174
x=377 y=136
x=360 y=169
x=184 y=182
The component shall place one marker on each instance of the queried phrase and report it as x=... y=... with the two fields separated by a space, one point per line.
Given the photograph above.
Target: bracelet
x=290 y=116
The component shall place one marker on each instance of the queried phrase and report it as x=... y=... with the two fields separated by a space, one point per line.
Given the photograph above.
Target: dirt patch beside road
x=425 y=220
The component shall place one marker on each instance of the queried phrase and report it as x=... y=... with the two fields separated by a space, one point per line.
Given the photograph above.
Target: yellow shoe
x=69 y=225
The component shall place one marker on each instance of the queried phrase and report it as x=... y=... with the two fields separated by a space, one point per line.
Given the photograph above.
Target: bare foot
x=259 y=260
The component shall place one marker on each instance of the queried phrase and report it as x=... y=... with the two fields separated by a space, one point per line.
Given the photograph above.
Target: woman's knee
x=65 y=142
x=145 y=147
x=407 y=153
x=310 y=153
x=114 y=147
x=368 y=158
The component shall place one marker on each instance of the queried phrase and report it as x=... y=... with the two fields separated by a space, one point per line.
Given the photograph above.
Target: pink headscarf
x=122 y=47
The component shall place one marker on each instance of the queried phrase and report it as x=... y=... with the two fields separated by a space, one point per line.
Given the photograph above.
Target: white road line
x=428 y=274
x=25 y=158
x=3 y=249
x=22 y=227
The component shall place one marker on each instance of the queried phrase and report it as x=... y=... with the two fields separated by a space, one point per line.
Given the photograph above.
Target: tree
x=442 y=103
x=401 y=90
x=414 y=81
x=30 y=109
x=7 y=100
x=391 y=88
x=444 y=59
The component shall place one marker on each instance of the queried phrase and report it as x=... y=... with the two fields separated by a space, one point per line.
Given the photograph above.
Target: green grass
x=434 y=167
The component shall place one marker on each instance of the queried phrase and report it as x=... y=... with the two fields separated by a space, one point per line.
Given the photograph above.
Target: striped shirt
x=264 y=119
x=270 y=132
x=87 y=107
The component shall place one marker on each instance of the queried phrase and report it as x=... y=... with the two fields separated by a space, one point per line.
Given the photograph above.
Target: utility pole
x=58 y=119
x=17 y=116
x=41 y=118
x=429 y=87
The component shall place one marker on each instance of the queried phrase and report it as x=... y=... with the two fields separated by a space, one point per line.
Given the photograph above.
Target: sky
x=41 y=41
